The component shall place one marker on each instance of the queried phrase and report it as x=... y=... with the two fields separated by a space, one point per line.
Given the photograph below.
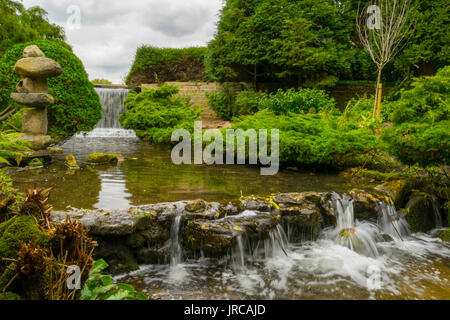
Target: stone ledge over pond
x=144 y=234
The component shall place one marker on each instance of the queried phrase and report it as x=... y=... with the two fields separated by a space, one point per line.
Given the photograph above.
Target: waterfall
x=112 y=101
x=357 y=236
x=176 y=253
x=437 y=214
x=391 y=223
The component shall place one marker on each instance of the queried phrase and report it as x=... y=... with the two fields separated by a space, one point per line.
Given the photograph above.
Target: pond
x=148 y=176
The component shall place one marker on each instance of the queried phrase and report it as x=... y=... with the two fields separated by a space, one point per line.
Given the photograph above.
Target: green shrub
x=420 y=134
x=101 y=287
x=155 y=65
x=155 y=113
x=301 y=101
x=77 y=106
x=249 y=102
x=222 y=102
x=316 y=140
x=101 y=81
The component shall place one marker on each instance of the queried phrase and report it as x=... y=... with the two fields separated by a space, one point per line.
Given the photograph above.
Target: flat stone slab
x=37 y=100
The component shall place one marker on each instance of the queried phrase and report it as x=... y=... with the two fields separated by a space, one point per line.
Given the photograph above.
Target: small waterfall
x=437 y=213
x=112 y=101
x=391 y=223
x=357 y=236
x=176 y=252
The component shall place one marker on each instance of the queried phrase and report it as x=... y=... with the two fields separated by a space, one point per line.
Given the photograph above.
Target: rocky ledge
x=142 y=234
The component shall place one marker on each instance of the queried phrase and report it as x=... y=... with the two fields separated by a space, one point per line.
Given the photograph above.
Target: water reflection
x=148 y=176
x=113 y=193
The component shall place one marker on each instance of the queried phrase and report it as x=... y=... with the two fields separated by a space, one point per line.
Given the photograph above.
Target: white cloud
x=111 y=30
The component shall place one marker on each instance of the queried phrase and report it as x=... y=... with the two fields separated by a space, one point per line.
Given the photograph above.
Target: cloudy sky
x=110 y=30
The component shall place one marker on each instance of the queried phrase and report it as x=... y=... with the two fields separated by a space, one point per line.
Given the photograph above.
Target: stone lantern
x=32 y=93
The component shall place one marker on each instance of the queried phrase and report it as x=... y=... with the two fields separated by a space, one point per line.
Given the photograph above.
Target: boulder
x=37 y=67
x=398 y=190
x=420 y=214
x=71 y=162
x=102 y=158
x=36 y=100
x=365 y=204
x=28 y=85
x=32 y=51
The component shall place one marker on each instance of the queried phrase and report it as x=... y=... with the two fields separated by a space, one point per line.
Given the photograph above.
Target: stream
x=349 y=261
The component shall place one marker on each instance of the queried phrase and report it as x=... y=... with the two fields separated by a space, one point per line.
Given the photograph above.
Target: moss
x=35 y=163
x=419 y=214
x=374 y=175
x=398 y=190
x=444 y=235
x=103 y=158
x=9 y=296
x=71 y=162
x=16 y=230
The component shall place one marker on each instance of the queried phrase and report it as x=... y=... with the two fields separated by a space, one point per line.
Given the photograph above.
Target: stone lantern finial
x=32 y=93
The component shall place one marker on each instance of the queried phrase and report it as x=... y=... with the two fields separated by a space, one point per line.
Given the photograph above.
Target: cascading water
x=358 y=236
x=391 y=223
x=437 y=214
x=112 y=101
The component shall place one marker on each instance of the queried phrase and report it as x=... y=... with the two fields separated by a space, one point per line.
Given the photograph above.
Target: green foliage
x=10 y=198
x=17 y=230
x=301 y=101
x=101 y=287
x=18 y=25
x=155 y=113
x=249 y=102
x=305 y=43
x=316 y=140
x=101 y=81
x=421 y=121
x=165 y=64
x=77 y=106
x=222 y=102
x=11 y=149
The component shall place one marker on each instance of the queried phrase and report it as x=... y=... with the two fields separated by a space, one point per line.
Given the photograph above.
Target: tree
x=384 y=29
x=19 y=25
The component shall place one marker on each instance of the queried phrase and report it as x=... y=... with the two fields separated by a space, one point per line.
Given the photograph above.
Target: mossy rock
x=71 y=162
x=444 y=235
x=398 y=190
x=35 y=163
x=419 y=214
x=16 y=230
x=103 y=158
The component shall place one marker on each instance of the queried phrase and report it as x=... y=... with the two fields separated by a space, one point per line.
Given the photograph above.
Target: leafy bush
x=316 y=140
x=77 y=106
x=101 y=81
x=301 y=101
x=222 y=102
x=249 y=102
x=101 y=287
x=155 y=113
x=155 y=65
x=421 y=120
x=11 y=149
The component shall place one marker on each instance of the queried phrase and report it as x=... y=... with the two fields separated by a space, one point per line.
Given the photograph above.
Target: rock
x=256 y=203
x=37 y=100
x=71 y=162
x=35 y=163
x=365 y=205
x=304 y=222
x=28 y=85
x=419 y=214
x=32 y=51
x=38 y=142
x=120 y=258
x=398 y=190
x=35 y=122
x=102 y=158
x=153 y=255
x=37 y=67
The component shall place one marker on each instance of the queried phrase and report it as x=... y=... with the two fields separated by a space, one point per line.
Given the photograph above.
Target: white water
x=361 y=266
x=112 y=101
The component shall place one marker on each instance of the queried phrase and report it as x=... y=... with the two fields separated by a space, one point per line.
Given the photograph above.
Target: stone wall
x=342 y=93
